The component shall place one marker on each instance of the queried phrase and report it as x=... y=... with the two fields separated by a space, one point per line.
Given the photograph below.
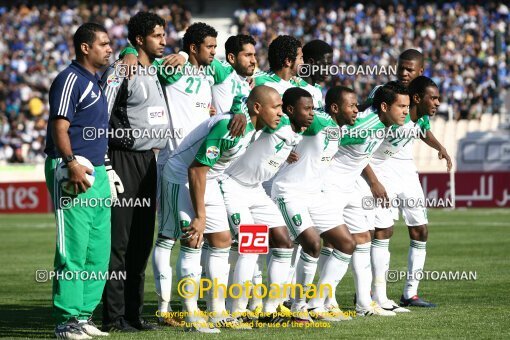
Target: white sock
x=232 y=261
x=277 y=273
x=244 y=271
x=323 y=257
x=163 y=273
x=204 y=261
x=415 y=263
x=362 y=274
x=305 y=272
x=380 y=256
x=332 y=273
x=188 y=266
x=218 y=269
x=291 y=278
x=256 y=298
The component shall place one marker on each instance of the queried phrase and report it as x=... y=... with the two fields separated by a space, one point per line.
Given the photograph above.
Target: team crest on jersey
x=212 y=152
x=113 y=80
x=236 y=218
x=297 y=220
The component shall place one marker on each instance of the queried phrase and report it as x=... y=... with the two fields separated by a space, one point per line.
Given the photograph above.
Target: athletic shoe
x=273 y=318
x=91 y=329
x=337 y=313
x=373 y=309
x=169 y=319
x=287 y=303
x=321 y=313
x=392 y=306
x=300 y=313
x=198 y=324
x=143 y=325
x=120 y=325
x=284 y=311
x=415 y=301
x=255 y=313
x=71 y=330
x=229 y=322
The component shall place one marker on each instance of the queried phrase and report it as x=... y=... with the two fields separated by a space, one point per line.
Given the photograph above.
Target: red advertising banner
x=24 y=197
x=472 y=189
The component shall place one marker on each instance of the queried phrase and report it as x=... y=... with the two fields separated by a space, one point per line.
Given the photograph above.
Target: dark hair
x=316 y=49
x=419 y=85
x=292 y=96
x=335 y=94
x=86 y=33
x=143 y=24
x=412 y=55
x=235 y=43
x=196 y=34
x=388 y=94
x=281 y=48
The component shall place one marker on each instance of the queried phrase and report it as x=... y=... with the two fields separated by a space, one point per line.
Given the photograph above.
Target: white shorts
x=178 y=209
x=400 y=179
x=350 y=207
x=249 y=205
x=302 y=211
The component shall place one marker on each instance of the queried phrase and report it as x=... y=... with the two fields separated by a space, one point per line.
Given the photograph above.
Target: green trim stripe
x=380 y=243
x=418 y=244
x=341 y=256
x=190 y=250
x=307 y=258
x=164 y=243
x=175 y=200
x=283 y=210
x=326 y=251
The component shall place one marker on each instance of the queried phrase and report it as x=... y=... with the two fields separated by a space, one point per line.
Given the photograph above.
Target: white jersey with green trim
x=316 y=92
x=357 y=145
x=227 y=85
x=210 y=144
x=265 y=155
x=271 y=79
x=400 y=139
x=189 y=99
x=315 y=151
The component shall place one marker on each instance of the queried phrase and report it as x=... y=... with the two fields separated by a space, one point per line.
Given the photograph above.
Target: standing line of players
x=271 y=151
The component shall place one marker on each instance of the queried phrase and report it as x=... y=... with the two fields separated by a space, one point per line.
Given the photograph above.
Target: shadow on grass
x=24 y=321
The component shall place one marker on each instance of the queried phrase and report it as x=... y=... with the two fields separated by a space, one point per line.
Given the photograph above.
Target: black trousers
x=132 y=234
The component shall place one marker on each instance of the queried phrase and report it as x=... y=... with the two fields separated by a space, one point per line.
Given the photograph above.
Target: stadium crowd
x=35 y=45
x=467 y=50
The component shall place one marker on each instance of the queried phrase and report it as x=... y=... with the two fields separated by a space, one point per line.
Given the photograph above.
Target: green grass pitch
x=475 y=240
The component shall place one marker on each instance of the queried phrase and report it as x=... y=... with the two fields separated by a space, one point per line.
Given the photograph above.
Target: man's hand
x=194 y=234
x=116 y=186
x=379 y=193
x=237 y=125
x=442 y=154
x=212 y=111
x=293 y=157
x=131 y=61
x=174 y=60
x=77 y=177
x=251 y=82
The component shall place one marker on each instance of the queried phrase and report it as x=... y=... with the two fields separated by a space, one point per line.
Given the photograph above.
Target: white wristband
x=185 y=55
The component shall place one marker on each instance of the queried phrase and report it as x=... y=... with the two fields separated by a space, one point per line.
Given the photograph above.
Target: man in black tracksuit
x=139 y=113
